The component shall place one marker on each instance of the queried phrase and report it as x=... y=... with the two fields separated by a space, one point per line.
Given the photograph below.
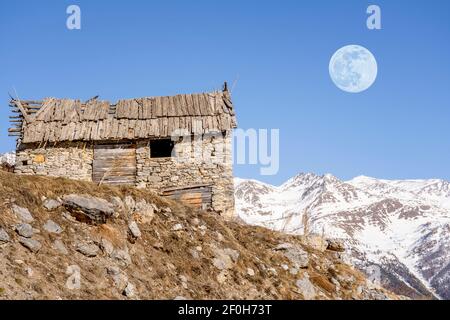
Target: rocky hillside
x=62 y=239
x=400 y=229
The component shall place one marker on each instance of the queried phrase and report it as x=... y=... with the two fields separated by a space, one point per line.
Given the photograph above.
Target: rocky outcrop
x=88 y=208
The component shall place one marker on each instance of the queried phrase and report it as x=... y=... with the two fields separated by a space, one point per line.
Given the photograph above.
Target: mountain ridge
x=400 y=222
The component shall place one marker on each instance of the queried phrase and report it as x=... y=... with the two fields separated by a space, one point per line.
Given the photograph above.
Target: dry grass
x=159 y=257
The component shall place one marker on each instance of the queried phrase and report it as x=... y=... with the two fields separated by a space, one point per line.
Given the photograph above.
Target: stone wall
x=69 y=160
x=197 y=161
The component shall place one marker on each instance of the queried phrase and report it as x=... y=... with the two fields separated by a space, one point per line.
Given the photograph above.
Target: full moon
x=353 y=69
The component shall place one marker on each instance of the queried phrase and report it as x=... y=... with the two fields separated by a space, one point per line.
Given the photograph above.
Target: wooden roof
x=55 y=120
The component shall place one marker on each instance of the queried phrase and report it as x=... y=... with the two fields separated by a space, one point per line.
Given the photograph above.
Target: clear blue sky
x=278 y=50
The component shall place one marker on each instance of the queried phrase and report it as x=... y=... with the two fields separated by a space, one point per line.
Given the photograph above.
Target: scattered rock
x=222 y=277
x=130 y=203
x=180 y=298
x=22 y=213
x=129 y=291
x=89 y=249
x=59 y=246
x=134 y=230
x=52 y=227
x=295 y=254
x=30 y=244
x=4 y=237
x=68 y=217
x=183 y=281
x=224 y=258
x=177 y=227
x=144 y=212
x=106 y=246
x=25 y=230
x=51 y=204
x=285 y=267
x=88 y=208
x=29 y=272
x=167 y=210
x=294 y=271
x=122 y=256
x=250 y=272
x=195 y=221
x=335 y=245
x=194 y=254
x=272 y=271
x=118 y=204
x=120 y=278
x=306 y=288
x=234 y=254
x=220 y=237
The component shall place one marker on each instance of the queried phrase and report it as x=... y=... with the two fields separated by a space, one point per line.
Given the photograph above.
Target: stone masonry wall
x=71 y=160
x=203 y=161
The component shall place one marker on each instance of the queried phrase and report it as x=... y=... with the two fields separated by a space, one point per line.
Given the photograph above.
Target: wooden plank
x=23 y=111
x=114 y=164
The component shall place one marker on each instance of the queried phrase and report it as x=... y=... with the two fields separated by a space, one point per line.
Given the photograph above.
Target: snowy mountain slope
x=401 y=227
x=8 y=158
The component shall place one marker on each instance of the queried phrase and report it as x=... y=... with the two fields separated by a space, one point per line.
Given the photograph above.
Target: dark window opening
x=161 y=148
x=25 y=162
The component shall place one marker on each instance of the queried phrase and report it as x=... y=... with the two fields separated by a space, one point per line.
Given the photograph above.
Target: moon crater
x=353 y=68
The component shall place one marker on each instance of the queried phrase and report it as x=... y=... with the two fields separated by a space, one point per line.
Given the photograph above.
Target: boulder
x=52 y=227
x=306 y=288
x=59 y=246
x=120 y=278
x=224 y=258
x=122 y=257
x=22 y=213
x=88 y=208
x=51 y=204
x=4 y=237
x=130 y=203
x=233 y=254
x=134 y=230
x=295 y=254
x=130 y=290
x=89 y=249
x=25 y=230
x=30 y=244
x=144 y=212
x=106 y=246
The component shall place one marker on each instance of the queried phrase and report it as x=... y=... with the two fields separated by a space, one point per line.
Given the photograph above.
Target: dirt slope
x=175 y=252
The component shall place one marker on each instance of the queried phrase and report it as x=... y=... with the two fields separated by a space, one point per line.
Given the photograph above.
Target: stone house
x=179 y=146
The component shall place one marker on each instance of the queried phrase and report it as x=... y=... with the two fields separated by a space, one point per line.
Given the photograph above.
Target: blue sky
x=279 y=53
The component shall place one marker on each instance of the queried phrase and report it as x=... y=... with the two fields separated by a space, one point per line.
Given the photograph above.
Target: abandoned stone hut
x=179 y=146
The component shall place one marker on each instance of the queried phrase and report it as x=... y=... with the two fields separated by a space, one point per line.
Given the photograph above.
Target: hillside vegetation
x=63 y=239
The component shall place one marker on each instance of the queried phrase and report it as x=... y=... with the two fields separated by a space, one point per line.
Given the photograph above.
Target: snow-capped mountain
x=401 y=229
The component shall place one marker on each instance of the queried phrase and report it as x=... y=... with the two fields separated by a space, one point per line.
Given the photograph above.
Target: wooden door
x=114 y=164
